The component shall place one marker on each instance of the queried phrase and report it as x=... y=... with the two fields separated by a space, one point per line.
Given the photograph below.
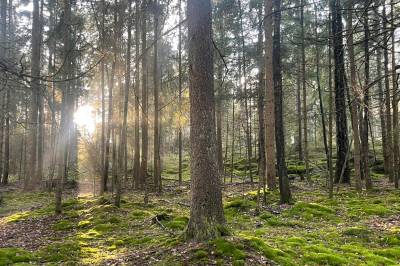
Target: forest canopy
x=199 y=132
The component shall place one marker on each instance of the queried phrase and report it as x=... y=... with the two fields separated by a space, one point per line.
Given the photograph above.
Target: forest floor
x=350 y=229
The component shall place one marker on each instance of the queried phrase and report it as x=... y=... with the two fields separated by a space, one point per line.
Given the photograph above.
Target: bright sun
x=84 y=119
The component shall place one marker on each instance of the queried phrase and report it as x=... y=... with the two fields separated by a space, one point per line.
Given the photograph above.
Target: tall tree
x=35 y=87
x=261 y=103
x=388 y=113
x=66 y=118
x=318 y=73
x=304 y=87
x=270 y=100
x=206 y=213
x=3 y=44
x=180 y=149
x=284 y=187
x=136 y=163
x=342 y=145
x=395 y=99
x=354 y=106
x=156 y=78
x=145 y=121
x=246 y=93
x=365 y=121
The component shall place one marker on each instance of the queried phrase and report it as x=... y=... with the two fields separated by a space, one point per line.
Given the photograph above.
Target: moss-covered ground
x=350 y=229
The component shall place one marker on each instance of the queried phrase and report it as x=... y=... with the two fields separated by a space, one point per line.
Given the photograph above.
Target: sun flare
x=84 y=118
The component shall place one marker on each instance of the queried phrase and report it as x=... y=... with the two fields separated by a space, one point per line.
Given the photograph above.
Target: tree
x=35 y=87
x=354 y=106
x=284 y=187
x=304 y=87
x=269 y=96
x=145 y=121
x=206 y=212
x=342 y=145
x=156 y=126
x=136 y=163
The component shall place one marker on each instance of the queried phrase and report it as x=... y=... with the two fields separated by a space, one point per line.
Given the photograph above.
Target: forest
x=199 y=132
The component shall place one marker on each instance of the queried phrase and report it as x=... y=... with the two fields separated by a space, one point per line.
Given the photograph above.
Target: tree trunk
x=270 y=102
x=156 y=143
x=180 y=95
x=340 y=88
x=261 y=104
x=354 y=106
x=65 y=121
x=246 y=96
x=395 y=100
x=206 y=213
x=304 y=87
x=145 y=121
x=35 y=87
x=136 y=163
x=365 y=121
x=388 y=116
x=321 y=105
x=284 y=186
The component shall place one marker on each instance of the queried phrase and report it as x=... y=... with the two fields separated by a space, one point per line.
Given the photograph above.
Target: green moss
x=269 y=252
x=103 y=228
x=84 y=224
x=177 y=223
x=63 y=225
x=393 y=252
x=200 y=254
x=360 y=232
x=240 y=204
x=224 y=247
x=10 y=256
x=313 y=258
x=309 y=211
x=61 y=252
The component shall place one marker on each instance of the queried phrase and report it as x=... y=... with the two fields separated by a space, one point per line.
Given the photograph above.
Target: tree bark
x=395 y=101
x=284 y=186
x=304 y=87
x=354 y=106
x=270 y=102
x=388 y=116
x=340 y=88
x=206 y=213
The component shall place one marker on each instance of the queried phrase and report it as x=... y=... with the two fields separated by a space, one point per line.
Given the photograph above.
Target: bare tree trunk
x=123 y=159
x=66 y=97
x=145 y=121
x=304 y=87
x=233 y=135
x=3 y=90
x=284 y=186
x=354 y=106
x=180 y=94
x=321 y=105
x=270 y=102
x=381 y=107
x=340 y=88
x=261 y=104
x=136 y=163
x=395 y=102
x=6 y=170
x=389 y=136
x=35 y=87
x=365 y=121
x=246 y=104
x=156 y=143
x=206 y=213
